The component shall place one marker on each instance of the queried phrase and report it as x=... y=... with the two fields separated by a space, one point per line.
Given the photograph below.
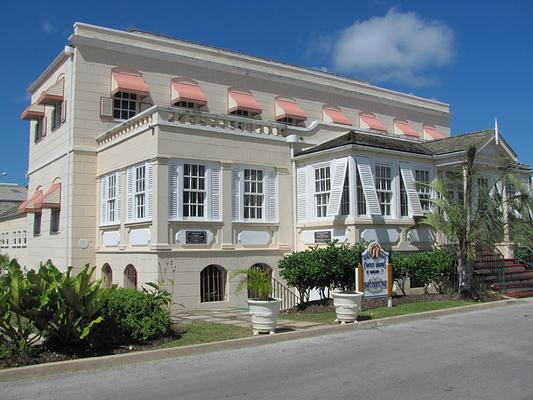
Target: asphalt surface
x=477 y=355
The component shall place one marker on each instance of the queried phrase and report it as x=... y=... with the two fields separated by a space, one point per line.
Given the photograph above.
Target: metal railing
x=288 y=297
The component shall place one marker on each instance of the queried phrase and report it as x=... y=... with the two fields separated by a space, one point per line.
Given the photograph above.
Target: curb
x=61 y=367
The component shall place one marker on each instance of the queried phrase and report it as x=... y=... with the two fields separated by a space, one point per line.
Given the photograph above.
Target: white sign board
x=374 y=263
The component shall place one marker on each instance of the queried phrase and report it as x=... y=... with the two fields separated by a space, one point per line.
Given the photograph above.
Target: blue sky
x=476 y=56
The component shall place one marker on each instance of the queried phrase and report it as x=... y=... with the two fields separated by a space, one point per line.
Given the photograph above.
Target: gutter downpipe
x=292 y=139
x=70 y=52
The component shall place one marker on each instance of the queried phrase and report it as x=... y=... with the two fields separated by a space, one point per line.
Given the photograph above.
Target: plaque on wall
x=196 y=237
x=322 y=236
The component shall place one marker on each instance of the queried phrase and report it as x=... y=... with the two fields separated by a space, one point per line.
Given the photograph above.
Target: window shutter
x=106 y=107
x=301 y=189
x=63 y=111
x=144 y=106
x=410 y=189
x=45 y=126
x=173 y=189
x=129 y=194
x=103 y=200
x=339 y=172
x=118 y=196
x=214 y=195
x=149 y=189
x=235 y=187
x=369 y=188
x=271 y=195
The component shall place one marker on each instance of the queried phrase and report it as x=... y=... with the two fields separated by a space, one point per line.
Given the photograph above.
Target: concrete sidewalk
x=239 y=317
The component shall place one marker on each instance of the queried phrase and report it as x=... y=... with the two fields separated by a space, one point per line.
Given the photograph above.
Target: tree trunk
x=465 y=270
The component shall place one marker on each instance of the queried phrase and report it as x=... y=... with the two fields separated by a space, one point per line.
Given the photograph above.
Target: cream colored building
x=161 y=160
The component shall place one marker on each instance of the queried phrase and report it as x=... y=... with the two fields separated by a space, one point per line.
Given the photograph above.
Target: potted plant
x=341 y=261
x=263 y=308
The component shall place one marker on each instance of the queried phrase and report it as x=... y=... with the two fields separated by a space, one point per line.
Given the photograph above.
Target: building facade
x=161 y=160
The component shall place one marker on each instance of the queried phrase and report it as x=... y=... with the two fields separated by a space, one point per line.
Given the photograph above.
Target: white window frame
x=139 y=192
x=325 y=189
x=253 y=194
x=197 y=191
x=269 y=207
x=135 y=191
x=424 y=191
x=111 y=196
x=392 y=190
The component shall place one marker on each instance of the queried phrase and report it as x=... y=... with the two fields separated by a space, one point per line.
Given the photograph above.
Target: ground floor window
x=107 y=276
x=212 y=284
x=130 y=277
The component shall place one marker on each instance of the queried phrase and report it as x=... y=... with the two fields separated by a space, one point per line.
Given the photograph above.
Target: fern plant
x=257 y=281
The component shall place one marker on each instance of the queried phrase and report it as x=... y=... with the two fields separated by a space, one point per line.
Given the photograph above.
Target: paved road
x=479 y=355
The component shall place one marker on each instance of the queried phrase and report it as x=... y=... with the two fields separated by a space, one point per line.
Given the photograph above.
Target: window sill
x=195 y=222
x=139 y=223
x=255 y=223
x=113 y=225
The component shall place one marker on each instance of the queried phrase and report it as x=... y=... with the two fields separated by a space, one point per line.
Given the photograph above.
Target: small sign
x=195 y=237
x=322 y=236
x=374 y=263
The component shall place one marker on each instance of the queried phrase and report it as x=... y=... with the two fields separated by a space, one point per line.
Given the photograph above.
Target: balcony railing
x=189 y=118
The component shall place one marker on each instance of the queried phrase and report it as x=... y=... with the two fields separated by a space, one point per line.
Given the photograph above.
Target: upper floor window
x=253 y=194
x=424 y=191
x=57 y=115
x=186 y=104
x=125 y=105
x=37 y=224
x=54 y=220
x=322 y=190
x=40 y=129
x=139 y=193
x=194 y=190
x=345 y=198
x=384 y=188
x=110 y=199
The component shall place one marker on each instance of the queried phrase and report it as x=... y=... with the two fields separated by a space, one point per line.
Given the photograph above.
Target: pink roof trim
x=405 y=128
x=372 y=122
x=244 y=101
x=337 y=116
x=51 y=199
x=188 y=91
x=128 y=82
x=433 y=132
x=290 y=109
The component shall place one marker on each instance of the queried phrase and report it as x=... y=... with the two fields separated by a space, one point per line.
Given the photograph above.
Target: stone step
x=507 y=269
x=512 y=285
x=510 y=277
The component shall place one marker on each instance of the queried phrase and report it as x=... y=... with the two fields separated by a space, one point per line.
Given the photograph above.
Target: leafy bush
x=428 y=267
x=133 y=316
x=332 y=266
x=76 y=304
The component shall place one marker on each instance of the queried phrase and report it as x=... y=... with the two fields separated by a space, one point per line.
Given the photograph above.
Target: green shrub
x=132 y=316
x=255 y=280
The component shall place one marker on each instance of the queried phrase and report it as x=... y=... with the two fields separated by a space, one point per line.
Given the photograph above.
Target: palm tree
x=468 y=212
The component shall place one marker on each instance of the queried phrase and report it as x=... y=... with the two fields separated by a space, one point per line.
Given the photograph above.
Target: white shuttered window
x=254 y=194
x=110 y=199
x=139 y=187
x=194 y=190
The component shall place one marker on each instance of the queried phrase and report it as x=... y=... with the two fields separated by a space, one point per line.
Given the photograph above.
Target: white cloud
x=48 y=28
x=395 y=47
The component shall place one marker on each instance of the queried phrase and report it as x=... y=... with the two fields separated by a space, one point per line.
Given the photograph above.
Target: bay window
x=384 y=188
x=139 y=192
x=194 y=192
x=110 y=199
x=322 y=190
x=424 y=191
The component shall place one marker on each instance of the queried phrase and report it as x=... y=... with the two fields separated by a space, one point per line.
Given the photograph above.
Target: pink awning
x=371 y=122
x=335 y=115
x=404 y=127
x=243 y=100
x=128 y=82
x=433 y=132
x=51 y=199
x=53 y=94
x=188 y=91
x=29 y=205
x=289 y=108
x=33 y=112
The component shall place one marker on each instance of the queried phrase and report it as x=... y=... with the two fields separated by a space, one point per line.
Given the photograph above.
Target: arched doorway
x=260 y=267
x=212 y=284
x=130 y=277
x=107 y=276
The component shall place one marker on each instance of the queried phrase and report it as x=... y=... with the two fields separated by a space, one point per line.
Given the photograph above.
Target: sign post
x=374 y=276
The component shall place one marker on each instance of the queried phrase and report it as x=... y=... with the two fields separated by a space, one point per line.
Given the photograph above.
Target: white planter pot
x=264 y=315
x=347 y=305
